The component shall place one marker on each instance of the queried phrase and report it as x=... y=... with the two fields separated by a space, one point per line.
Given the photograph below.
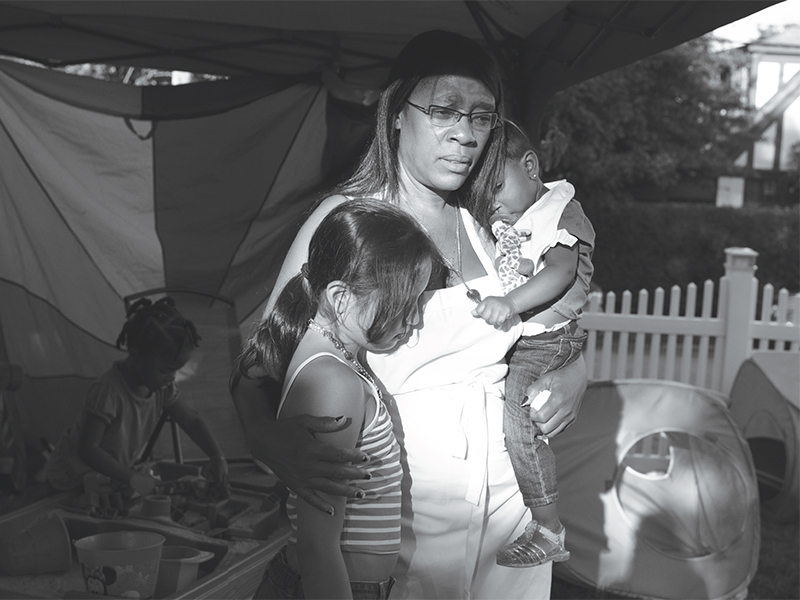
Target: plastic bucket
x=41 y=547
x=121 y=563
x=157 y=506
x=179 y=565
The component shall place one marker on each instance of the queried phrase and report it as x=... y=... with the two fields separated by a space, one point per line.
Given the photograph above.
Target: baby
x=544 y=250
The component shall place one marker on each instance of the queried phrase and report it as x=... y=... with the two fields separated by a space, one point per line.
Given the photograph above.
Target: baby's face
x=515 y=194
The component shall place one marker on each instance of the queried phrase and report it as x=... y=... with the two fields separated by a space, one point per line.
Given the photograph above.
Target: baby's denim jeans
x=282 y=581
x=531 y=456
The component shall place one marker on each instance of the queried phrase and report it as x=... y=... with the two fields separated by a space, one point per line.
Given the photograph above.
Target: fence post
x=740 y=268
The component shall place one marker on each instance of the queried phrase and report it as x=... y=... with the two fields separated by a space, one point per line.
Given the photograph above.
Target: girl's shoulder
x=323 y=384
x=108 y=393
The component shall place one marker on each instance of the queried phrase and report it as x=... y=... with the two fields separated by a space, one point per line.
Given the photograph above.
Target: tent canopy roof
x=560 y=41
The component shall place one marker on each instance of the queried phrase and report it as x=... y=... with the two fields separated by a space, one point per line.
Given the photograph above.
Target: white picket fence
x=705 y=350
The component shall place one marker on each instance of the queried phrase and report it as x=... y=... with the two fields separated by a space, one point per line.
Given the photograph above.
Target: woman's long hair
x=374 y=248
x=433 y=53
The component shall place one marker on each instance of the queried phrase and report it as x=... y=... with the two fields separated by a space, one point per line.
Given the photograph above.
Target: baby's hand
x=495 y=310
x=525 y=267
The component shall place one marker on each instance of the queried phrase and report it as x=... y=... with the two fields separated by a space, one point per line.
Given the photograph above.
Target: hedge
x=645 y=246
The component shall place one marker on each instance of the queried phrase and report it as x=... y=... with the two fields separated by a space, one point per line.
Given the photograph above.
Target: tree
x=673 y=115
x=131 y=75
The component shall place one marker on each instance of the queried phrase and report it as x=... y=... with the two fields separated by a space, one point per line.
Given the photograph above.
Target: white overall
x=461 y=502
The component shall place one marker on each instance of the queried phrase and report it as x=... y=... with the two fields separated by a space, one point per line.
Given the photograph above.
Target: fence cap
x=740 y=258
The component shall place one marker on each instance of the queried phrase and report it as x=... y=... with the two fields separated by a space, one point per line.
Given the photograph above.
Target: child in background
x=125 y=404
x=368 y=264
x=544 y=247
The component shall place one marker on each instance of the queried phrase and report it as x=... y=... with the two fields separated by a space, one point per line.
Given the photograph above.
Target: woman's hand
x=306 y=465
x=288 y=447
x=566 y=386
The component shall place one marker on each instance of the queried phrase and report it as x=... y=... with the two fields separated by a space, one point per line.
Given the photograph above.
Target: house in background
x=773 y=87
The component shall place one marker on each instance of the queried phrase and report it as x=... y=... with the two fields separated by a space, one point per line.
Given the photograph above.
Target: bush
x=645 y=246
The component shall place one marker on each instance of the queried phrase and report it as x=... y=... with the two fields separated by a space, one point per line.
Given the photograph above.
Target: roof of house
x=786 y=41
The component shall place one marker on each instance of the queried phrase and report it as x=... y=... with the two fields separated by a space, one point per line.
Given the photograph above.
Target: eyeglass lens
x=442 y=116
x=482 y=121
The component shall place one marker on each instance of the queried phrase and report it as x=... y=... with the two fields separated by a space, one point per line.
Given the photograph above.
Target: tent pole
x=3 y=350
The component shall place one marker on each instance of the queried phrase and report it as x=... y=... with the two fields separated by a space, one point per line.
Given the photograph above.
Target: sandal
x=536 y=546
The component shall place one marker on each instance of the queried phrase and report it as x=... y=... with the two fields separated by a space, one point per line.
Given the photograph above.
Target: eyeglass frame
x=459 y=113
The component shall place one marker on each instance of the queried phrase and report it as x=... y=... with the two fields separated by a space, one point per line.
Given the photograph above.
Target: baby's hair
x=374 y=248
x=517 y=142
x=156 y=329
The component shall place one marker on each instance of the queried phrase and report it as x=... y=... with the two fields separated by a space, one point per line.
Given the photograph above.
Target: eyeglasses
x=441 y=116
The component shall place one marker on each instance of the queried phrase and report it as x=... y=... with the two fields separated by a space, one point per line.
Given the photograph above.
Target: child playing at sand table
x=124 y=405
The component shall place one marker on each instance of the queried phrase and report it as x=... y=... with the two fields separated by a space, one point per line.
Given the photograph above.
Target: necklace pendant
x=474 y=295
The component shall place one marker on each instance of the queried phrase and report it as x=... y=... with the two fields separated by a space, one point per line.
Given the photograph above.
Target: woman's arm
x=289 y=447
x=567 y=386
x=298 y=251
x=329 y=386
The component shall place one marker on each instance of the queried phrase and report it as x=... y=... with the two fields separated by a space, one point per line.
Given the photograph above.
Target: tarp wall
x=109 y=190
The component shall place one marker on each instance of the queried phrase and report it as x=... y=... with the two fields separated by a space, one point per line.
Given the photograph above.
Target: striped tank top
x=371 y=524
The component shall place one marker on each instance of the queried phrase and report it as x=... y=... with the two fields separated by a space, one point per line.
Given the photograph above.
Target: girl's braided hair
x=158 y=328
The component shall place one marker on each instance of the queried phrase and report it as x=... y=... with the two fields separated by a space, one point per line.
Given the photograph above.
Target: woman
x=435 y=135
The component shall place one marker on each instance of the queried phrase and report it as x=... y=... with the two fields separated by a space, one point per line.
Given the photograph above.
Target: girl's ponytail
x=373 y=248
x=272 y=344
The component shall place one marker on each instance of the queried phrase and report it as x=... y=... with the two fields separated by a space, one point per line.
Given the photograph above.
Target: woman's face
x=441 y=158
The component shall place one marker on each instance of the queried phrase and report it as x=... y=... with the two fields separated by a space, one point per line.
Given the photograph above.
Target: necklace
x=313 y=325
x=472 y=293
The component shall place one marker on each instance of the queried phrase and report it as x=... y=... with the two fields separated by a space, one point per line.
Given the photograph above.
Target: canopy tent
x=99 y=205
x=109 y=191
x=657 y=490
x=544 y=46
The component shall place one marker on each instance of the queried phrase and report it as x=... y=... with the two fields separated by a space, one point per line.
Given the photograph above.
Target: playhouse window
x=675 y=490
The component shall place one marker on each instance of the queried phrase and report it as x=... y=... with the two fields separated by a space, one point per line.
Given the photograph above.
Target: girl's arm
x=290 y=449
x=90 y=452
x=191 y=422
x=325 y=387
